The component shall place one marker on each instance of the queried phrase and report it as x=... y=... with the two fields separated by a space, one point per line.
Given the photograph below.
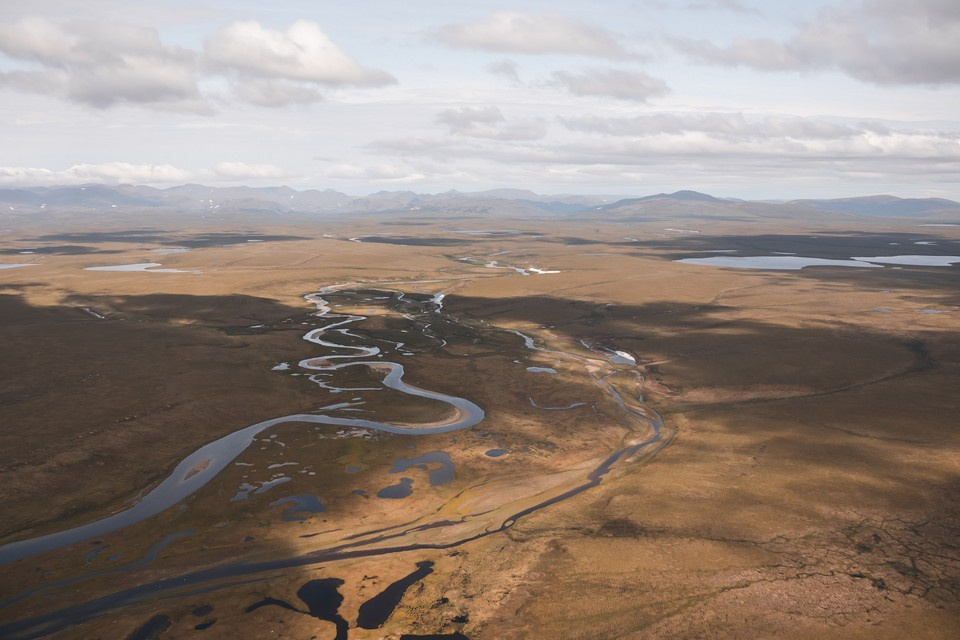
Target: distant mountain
x=205 y=200
x=93 y=196
x=21 y=197
x=884 y=206
x=682 y=196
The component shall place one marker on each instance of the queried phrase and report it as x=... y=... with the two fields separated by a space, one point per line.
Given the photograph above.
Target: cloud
x=702 y=5
x=506 y=68
x=377 y=172
x=271 y=68
x=666 y=163
x=516 y=32
x=720 y=5
x=301 y=53
x=733 y=126
x=99 y=65
x=103 y=65
x=614 y=83
x=772 y=147
x=761 y=54
x=127 y=173
x=467 y=117
x=489 y=122
x=266 y=92
x=878 y=41
x=109 y=173
x=803 y=140
x=242 y=171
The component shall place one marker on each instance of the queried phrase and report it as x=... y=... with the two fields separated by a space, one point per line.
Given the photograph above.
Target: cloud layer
x=490 y=123
x=99 y=65
x=127 y=173
x=878 y=41
x=451 y=95
x=276 y=68
x=710 y=148
x=109 y=173
x=613 y=83
x=103 y=65
x=518 y=32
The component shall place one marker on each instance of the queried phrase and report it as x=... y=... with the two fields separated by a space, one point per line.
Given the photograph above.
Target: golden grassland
x=810 y=491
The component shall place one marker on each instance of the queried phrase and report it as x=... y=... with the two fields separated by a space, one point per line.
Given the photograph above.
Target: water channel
x=644 y=435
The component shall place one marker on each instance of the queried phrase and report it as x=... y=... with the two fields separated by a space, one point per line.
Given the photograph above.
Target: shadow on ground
x=827 y=375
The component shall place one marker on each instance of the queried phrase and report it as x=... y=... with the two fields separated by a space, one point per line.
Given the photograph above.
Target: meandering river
x=647 y=436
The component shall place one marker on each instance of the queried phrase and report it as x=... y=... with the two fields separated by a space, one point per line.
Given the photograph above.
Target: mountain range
x=278 y=200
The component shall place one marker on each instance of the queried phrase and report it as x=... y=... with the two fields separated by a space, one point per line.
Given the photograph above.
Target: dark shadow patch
x=224 y=311
x=687 y=325
x=832 y=245
x=620 y=528
x=574 y=241
x=130 y=235
x=153 y=236
x=225 y=239
x=154 y=628
x=59 y=250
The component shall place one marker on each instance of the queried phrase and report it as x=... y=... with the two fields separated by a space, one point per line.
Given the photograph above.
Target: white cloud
x=614 y=83
x=720 y=5
x=701 y=5
x=103 y=65
x=489 y=122
x=271 y=68
x=467 y=117
x=241 y=171
x=301 y=53
x=38 y=38
x=99 y=65
x=266 y=92
x=694 y=146
x=109 y=173
x=761 y=54
x=733 y=126
x=377 y=172
x=877 y=41
x=516 y=32
x=506 y=68
x=123 y=173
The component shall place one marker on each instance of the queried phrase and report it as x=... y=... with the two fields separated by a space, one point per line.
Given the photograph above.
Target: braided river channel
x=432 y=431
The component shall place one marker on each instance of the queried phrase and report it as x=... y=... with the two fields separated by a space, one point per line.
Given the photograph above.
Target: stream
x=204 y=464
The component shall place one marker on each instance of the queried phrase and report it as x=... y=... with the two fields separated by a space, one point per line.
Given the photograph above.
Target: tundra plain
x=795 y=468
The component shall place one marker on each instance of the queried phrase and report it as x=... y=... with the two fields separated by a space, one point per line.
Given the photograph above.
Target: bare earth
x=810 y=488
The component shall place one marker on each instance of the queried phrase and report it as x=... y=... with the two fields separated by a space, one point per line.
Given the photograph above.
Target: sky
x=737 y=98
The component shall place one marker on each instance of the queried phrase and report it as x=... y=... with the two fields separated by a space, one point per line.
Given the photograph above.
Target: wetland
x=321 y=430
